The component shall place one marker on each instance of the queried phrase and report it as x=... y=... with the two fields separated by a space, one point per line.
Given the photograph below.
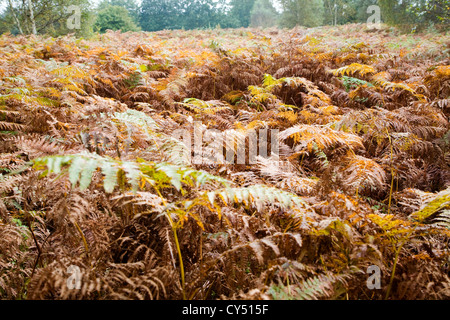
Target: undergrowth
x=92 y=176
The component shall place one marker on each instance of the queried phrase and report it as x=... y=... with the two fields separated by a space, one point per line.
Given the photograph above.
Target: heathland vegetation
x=109 y=167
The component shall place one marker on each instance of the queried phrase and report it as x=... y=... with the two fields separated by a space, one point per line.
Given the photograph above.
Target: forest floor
x=225 y=164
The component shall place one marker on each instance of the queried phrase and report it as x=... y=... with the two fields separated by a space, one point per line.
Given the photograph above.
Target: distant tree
x=32 y=21
x=114 y=18
x=346 y=11
x=431 y=13
x=180 y=14
x=197 y=14
x=308 y=13
x=395 y=12
x=9 y=21
x=263 y=14
x=333 y=10
x=45 y=17
x=360 y=9
x=131 y=5
x=240 y=12
x=416 y=14
x=159 y=14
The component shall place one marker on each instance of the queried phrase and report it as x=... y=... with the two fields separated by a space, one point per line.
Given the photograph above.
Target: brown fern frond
x=362 y=175
x=325 y=138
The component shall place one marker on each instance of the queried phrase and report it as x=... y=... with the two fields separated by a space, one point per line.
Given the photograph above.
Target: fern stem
x=37 y=247
x=177 y=244
x=391 y=281
x=82 y=237
x=392 y=172
x=180 y=257
x=390 y=192
x=397 y=254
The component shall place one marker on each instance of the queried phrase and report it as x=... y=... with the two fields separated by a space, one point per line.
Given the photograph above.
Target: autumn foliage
x=91 y=176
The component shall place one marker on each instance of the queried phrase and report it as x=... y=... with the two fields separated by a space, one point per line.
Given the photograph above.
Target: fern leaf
x=259 y=196
x=309 y=136
x=110 y=171
x=318 y=287
x=136 y=118
x=362 y=173
x=208 y=107
x=443 y=219
x=362 y=69
x=431 y=208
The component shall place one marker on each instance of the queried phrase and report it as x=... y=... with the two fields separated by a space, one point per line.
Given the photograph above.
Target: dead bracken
x=92 y=178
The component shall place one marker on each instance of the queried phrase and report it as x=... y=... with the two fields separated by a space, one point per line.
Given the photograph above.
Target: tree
x=182 y=14
x=263 y=14
x=308 y=13
x=332 y=10
x=159 y=14
x=431 y=12
x=395 y=12
x=45 y=17
x=346 y=11
x=197 y=14
x=131 y=5
x=13 y=14
x=415 y=14
x=31 y=17
x=114 y=18
x=239 y=15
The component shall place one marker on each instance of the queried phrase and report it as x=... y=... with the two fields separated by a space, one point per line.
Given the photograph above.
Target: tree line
x=51 y=16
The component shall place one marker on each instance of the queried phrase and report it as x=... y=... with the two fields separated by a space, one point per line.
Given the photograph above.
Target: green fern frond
x=81 y=168
x=353 y=83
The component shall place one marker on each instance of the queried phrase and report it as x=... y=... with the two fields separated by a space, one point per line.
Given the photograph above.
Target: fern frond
x=81 y=168
x=354 y=68
x=360 y=173
x=272 y=85
x=208 y=107
x=257 y=247
x=261 y=95
x=381 y=80
x=173 y=150
x=439 y=202
x=325 y=138
x=37 y=147
x=11 y=126
x=136 y=118
x=443 y=219
x=260 y=196
x=317 y=287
